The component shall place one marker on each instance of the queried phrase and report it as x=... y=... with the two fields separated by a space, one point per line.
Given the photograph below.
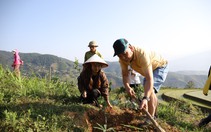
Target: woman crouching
x=93 y=83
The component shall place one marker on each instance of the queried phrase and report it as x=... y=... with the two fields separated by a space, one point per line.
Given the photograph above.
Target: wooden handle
x=154 y=122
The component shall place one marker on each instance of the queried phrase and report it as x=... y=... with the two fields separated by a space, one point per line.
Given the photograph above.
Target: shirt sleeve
x=85 y=57
x=98 y=53
x=104 y=86
x=80 y=85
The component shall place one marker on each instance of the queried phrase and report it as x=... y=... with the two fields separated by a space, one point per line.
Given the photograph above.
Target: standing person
x=93 y=82
x=149 y=64
x=93 y=50
x=206 y=88
x=17 y=62
x=134 y=78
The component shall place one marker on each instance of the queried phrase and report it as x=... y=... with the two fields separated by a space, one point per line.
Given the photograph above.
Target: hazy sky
x=174 y=28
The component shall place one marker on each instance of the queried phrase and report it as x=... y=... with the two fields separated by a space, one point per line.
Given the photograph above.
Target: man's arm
x=148 y=87
x=125 y=77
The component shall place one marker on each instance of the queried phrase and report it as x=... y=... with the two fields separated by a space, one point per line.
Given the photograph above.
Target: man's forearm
x=126 y=82
x=148 y=88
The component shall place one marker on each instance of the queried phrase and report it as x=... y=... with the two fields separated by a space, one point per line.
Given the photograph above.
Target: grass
x=37 y=104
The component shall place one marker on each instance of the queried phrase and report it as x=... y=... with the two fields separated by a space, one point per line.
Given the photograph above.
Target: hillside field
x=38 y=104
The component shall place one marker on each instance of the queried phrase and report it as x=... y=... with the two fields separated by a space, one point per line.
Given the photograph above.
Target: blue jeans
x=159 y=76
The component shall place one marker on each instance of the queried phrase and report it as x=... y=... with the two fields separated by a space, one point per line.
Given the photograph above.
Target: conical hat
x=97 y=59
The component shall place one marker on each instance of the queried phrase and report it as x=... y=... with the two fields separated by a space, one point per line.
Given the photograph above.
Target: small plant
x=104 y=128
x=11 y=118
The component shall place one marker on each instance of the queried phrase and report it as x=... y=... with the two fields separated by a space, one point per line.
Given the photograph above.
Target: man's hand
x=109 y=105
x=144 y=104
x=131 y=92
x=84 y=94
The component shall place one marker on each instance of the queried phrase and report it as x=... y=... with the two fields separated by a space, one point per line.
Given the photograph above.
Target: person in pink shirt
x=17 y=62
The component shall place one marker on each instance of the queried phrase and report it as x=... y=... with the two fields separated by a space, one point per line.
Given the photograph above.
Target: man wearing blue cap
x=149 y=64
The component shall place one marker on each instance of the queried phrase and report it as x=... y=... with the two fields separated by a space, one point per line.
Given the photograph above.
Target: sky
x=173 y=28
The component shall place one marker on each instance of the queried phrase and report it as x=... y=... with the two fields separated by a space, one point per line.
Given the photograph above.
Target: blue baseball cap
x=120 y=45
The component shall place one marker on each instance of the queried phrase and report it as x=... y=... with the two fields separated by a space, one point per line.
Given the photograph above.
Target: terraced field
x=195 y=96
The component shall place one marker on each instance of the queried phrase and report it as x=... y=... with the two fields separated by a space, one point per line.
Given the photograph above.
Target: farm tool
x=154 y=122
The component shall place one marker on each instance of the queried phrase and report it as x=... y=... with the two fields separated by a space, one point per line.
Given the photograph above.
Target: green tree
x=190 y=84
x=76 y=65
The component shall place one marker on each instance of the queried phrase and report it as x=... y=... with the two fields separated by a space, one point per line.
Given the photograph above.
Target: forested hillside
x=42 y=65
x=45 y=65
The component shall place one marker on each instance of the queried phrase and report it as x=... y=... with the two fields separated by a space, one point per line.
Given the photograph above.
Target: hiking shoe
x=203 y=122
x=95 y=103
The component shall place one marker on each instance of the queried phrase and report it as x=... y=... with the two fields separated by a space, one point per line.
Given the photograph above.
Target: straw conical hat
x=97 y=59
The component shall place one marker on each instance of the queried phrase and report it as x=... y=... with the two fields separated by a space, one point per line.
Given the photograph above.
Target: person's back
x=134 y=78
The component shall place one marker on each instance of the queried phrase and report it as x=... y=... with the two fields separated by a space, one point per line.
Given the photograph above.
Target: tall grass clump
x=182 y=115
x=37 y=104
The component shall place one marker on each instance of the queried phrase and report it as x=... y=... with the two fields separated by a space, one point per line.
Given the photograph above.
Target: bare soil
x=119 y=119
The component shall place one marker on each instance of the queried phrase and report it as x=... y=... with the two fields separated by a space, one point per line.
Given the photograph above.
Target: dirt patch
x=126 y=120
x=121 y=120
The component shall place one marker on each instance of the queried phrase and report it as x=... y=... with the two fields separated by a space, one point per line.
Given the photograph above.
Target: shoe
x=203 y=122
x=95 y=103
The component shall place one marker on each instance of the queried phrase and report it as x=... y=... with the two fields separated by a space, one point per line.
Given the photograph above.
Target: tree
x=190 y=84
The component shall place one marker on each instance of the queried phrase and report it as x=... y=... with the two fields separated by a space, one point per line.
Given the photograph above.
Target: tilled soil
x=122 y=120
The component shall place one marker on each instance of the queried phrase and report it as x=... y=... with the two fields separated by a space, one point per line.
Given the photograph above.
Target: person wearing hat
x=93 y=83
x=93 y=50
x=17 y=62
x=149 y=64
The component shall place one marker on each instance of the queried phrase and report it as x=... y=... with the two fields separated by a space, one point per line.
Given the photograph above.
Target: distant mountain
x=178 y=80
x=44 y=65
x=194 y=62
x=193 y=72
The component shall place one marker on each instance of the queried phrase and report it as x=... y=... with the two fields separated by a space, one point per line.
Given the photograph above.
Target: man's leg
x=159 y=76
x=152 y=104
